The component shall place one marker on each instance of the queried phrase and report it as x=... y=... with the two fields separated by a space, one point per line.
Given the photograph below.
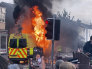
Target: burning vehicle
x=29 y=33
x=19 y=51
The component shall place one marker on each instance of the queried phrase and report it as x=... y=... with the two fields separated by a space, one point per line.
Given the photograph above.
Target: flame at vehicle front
x=36 y=28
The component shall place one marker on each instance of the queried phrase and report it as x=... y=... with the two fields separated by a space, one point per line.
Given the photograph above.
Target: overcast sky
x=8 y=1
x=81 y=9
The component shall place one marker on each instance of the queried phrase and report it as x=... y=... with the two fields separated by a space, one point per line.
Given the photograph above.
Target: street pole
x=52 y=54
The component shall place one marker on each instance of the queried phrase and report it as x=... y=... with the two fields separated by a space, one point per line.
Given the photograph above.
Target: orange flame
x=36 y=28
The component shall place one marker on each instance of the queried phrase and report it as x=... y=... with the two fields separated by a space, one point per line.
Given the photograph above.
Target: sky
x=80 y=9
x=8 y=1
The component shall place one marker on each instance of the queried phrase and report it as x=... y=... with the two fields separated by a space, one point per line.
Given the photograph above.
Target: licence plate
x=13 y=56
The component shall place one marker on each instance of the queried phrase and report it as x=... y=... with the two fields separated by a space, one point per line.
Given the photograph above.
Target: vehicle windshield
x=22 y=43
x=13 y=43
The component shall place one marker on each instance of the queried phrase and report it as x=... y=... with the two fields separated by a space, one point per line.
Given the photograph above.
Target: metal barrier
x=83 y=59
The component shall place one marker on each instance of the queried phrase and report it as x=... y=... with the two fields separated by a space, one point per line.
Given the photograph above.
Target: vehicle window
x=3 y=42
x=13 y=43
x=22 y=43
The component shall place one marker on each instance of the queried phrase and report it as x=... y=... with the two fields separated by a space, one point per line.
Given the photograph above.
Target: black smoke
x=43 y=5
x=16 y=13
x=34 y=2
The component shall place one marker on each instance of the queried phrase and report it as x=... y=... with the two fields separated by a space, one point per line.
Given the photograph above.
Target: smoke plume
x=44 y=5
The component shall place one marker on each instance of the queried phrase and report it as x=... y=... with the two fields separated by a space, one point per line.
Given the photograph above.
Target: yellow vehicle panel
x=17 y=53
x=20 y=52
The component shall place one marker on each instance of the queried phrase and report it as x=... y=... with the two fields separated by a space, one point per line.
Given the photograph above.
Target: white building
x=3 y=32
x=2 y=17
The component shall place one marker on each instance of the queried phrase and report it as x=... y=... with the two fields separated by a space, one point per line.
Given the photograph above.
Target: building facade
x=3 y=32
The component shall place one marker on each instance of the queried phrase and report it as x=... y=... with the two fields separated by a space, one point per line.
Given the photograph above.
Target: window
x=3 y=21
x=2 y=14
x=13 y=43
x=0 y=9
x=3 y=10
x=22 y=43
x=3 y=42
x=2 y=18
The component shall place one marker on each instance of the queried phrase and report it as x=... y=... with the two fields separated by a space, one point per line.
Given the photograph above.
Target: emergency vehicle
x=20 y=48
